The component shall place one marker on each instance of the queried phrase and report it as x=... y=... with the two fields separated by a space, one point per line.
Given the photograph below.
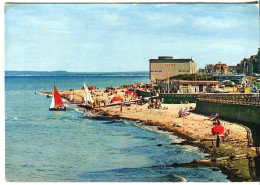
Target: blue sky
x=123 y=37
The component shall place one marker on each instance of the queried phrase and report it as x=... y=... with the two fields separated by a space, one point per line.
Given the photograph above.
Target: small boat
x=87 y=98
x=57 y=103
x=72 y=97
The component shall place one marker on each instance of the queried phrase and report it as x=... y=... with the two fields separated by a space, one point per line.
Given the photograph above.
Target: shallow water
x=43 y=145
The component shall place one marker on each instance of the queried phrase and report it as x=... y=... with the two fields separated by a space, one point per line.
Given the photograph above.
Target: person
x=121 y=108
x=226 y=134
x=216 y=122
x=215 y=117
x=180 y=113
x=65 y=107
x=211 y=116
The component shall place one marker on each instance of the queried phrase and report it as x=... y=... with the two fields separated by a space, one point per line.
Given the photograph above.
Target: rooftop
x=173 y=60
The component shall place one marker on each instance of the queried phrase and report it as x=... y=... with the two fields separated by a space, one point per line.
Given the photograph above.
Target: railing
x=231 y=98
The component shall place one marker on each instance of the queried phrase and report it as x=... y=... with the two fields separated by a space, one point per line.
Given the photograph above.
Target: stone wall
x=171 y=98
x=243 y=114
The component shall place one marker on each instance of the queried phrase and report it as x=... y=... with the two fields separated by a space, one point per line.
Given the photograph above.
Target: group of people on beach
x=156 y=104
x=216 y=121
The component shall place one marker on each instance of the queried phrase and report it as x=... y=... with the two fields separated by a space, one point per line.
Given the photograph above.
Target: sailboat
x=87 y=99
x=72 y=97
x=57 y=103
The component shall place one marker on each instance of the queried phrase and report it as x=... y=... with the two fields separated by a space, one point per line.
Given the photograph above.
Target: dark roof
x=177 y=60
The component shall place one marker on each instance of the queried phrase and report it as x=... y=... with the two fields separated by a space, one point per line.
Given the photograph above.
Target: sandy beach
x=195 y=128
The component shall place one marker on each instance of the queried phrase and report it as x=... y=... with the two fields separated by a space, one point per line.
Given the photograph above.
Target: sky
x=123 y=37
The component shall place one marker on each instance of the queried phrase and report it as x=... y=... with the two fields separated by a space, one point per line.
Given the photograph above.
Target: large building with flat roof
x=166 y=66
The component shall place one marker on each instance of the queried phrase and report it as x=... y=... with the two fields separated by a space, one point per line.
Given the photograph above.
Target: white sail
x=86 y=93
x=85 y=97
x=52 y=103
x=71 y=97
x=90 y=98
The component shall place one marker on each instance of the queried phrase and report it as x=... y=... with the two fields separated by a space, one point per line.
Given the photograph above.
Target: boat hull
x=85 y=106
x=55 y=109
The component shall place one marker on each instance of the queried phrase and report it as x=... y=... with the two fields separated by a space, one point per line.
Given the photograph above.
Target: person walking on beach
x=121 y=108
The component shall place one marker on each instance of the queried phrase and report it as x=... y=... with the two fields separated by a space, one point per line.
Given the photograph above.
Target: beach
x=195 y=129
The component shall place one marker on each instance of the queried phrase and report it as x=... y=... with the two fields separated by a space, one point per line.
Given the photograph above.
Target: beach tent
x=128 y=92
x=120 y=88
x=217 y=129
x=92 y=88
x=115 y=98
x=135 y=94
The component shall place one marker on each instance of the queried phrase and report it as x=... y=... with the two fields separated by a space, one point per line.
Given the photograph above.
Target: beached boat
x=57 y=103
x=87 y=99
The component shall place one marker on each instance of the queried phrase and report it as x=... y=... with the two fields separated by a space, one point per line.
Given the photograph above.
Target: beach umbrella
x=135 y=94
x=120 y=88
x=122 y=91
x=121 y=97
x=92 y=88
x=217 y=129
x=128 y=92
x=115 y=98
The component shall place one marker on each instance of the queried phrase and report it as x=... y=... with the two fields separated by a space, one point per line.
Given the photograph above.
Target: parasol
x=217 y=129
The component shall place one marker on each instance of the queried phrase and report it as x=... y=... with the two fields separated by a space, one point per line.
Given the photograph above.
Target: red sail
x=58 y=101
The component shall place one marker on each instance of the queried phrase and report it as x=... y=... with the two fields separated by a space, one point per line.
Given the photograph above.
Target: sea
x=49 y=146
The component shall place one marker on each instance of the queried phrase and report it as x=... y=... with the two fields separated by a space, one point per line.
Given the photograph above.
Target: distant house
x=186 y=86
x=221 y=68
x=237 y=78
x=166 y=66
x=196 y=86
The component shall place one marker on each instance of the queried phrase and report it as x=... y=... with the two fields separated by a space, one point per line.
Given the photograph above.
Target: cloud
x=74 y=36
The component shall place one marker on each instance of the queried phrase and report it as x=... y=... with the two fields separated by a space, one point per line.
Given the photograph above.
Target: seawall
x=170 y=98
x=244 y=114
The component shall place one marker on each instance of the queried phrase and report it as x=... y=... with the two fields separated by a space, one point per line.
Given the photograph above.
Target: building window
x=160 y=70
x=152 y=70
